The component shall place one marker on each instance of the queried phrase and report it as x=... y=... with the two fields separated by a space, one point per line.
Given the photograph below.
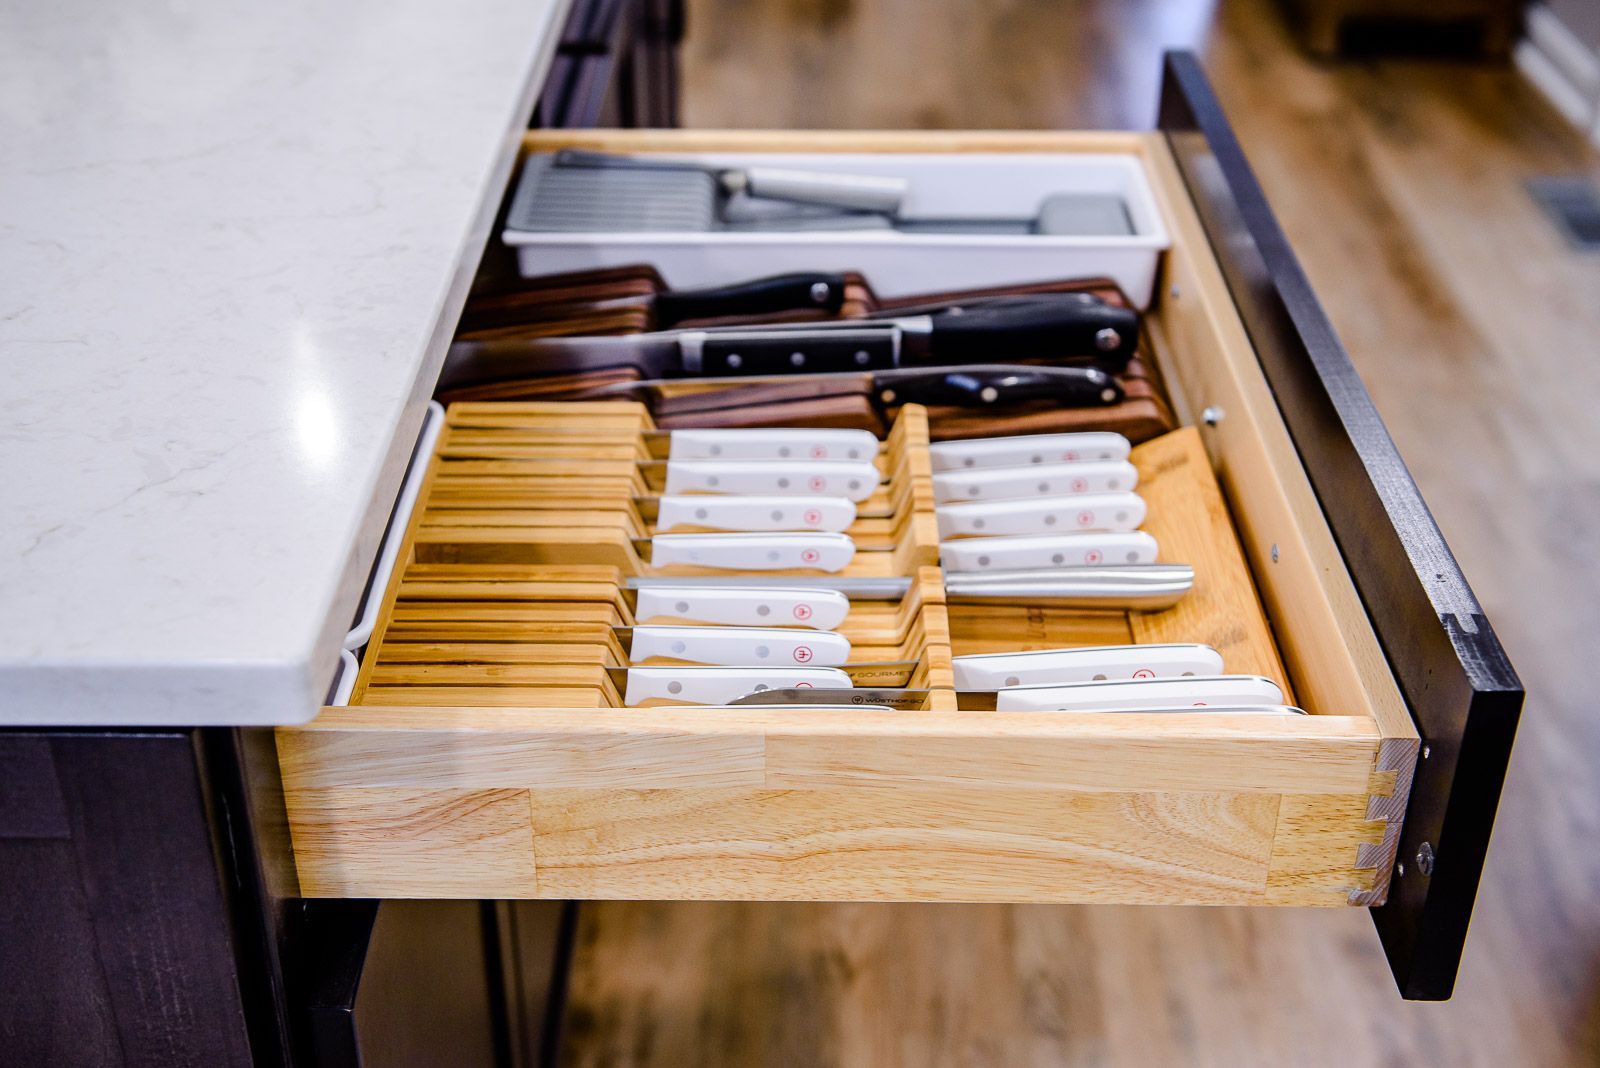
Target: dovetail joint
x=1398 y=755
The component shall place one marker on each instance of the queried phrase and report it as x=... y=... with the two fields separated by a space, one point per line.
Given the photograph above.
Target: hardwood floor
x=1477 y=330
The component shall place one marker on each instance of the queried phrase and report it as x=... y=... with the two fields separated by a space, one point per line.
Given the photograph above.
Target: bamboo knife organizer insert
x=554 y=482
x=485 y=753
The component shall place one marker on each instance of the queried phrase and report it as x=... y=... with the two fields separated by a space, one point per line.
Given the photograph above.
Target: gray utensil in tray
x=1060 y=214
x=594 y=192
x=572 y=191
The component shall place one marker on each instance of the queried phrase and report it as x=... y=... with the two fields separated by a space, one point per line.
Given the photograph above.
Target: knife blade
x=716 y=685
x=1034 y=480
x=1040 y=329
x=819 y=551
x=1222 y=694
x=1084 y=664
x=1033 y=551
x=1105 y=587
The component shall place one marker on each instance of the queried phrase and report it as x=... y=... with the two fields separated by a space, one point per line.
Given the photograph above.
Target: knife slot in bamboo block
x=628 y=417
x=542 y=490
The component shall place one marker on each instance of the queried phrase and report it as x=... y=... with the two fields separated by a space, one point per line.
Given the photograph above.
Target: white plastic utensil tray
x=896 y=264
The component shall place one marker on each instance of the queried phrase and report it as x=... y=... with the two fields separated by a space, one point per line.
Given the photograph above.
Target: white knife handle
x=996 y=671
x=1042 y=515
x=755 y=552
x=719 y=685
x=855 y=479
x=741 y=646
x=1046 y=551
x=1218 y=691
x=1045 y=480
x=772 y=444
x=1028 y=449
x=832 y=514
x=743 y=606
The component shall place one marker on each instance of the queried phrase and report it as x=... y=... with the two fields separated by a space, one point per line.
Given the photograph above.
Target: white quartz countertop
x=233 y=239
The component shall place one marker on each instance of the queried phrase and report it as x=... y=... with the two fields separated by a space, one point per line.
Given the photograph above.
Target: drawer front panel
x=1461 y=689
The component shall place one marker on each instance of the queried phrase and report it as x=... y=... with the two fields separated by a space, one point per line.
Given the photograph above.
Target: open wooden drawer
x=441 y=801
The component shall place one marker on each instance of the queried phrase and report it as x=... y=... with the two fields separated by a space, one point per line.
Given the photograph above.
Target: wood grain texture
x=1190 y=521
x=382 y=842
x=917 y=845
x=826 y=804
x=618 y=748
x=1400 y=185
x=1277 y=517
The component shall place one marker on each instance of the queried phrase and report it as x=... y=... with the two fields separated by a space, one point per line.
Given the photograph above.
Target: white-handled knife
x=720 y=685
x=786 y=478
x=1130 y=695
x=755 y=514
x=1042 y=515
x=753 y=606
x=752 y=552
x=1089 y=664
x=774 y=443
x=1028 y=449
x=735 y=646
x=1044 y=480
x=1220 y=695
x=1025 y=552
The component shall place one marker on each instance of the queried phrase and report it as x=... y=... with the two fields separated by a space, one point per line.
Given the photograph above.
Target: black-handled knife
x=1045 y=327
x=998 y=387
x=805 y=291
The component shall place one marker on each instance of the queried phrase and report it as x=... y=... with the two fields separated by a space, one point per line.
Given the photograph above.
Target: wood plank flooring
x=1478 y=332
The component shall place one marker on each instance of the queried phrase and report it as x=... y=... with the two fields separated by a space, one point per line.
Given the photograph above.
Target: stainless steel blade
x=894 y=698
x=471 y=363
x=1140 y=587
x=1144 y=587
